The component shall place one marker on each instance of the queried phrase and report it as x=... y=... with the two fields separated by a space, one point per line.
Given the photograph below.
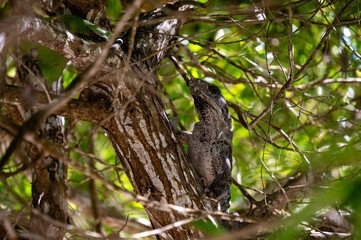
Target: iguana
x=210 y=144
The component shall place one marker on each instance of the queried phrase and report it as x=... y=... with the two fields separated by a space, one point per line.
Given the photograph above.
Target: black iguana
x=210 y=144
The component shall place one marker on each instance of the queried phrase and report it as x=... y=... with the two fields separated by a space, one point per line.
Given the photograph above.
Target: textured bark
x=140 y=131
x=49 y=175
x=153 y=160
x=139 y=128
x=75 y=109
x=49 y=186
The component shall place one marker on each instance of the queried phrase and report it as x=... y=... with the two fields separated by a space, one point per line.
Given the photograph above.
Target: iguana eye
x=214 y=90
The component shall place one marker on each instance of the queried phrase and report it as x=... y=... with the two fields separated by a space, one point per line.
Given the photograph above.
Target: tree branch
x=289 y=83
x=94 y=112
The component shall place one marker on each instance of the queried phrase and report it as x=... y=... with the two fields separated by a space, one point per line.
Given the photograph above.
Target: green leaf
x=337 y=192
x=208 y=227
x=5 y=9
x=114 y=9
x=69 y=75
x=98 y=30
x=51 y=64
x=40 y=11
x=74 y=23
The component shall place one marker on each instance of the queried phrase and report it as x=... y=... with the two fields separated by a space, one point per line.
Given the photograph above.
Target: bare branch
x=75 y=109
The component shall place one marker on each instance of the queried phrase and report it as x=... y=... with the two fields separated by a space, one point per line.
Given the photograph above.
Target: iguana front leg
x=182 y=136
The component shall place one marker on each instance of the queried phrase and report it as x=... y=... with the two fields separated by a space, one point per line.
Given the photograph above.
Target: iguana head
x=208 y=100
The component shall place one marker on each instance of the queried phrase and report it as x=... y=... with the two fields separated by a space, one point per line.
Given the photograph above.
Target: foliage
x=250 y=50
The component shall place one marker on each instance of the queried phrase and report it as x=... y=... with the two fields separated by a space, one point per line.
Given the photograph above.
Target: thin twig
x=290 y=81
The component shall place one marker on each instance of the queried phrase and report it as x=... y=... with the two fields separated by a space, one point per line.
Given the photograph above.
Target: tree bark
x=141 y=133
x=138 y=127
x=49 y=186
x=49 y=175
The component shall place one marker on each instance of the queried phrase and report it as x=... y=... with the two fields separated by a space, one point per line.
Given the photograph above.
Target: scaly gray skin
x=210 y=144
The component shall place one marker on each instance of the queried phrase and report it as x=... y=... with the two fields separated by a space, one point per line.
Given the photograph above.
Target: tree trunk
x=49 y=187
x=141 y=133
x=49 y=175
x=138 y=128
